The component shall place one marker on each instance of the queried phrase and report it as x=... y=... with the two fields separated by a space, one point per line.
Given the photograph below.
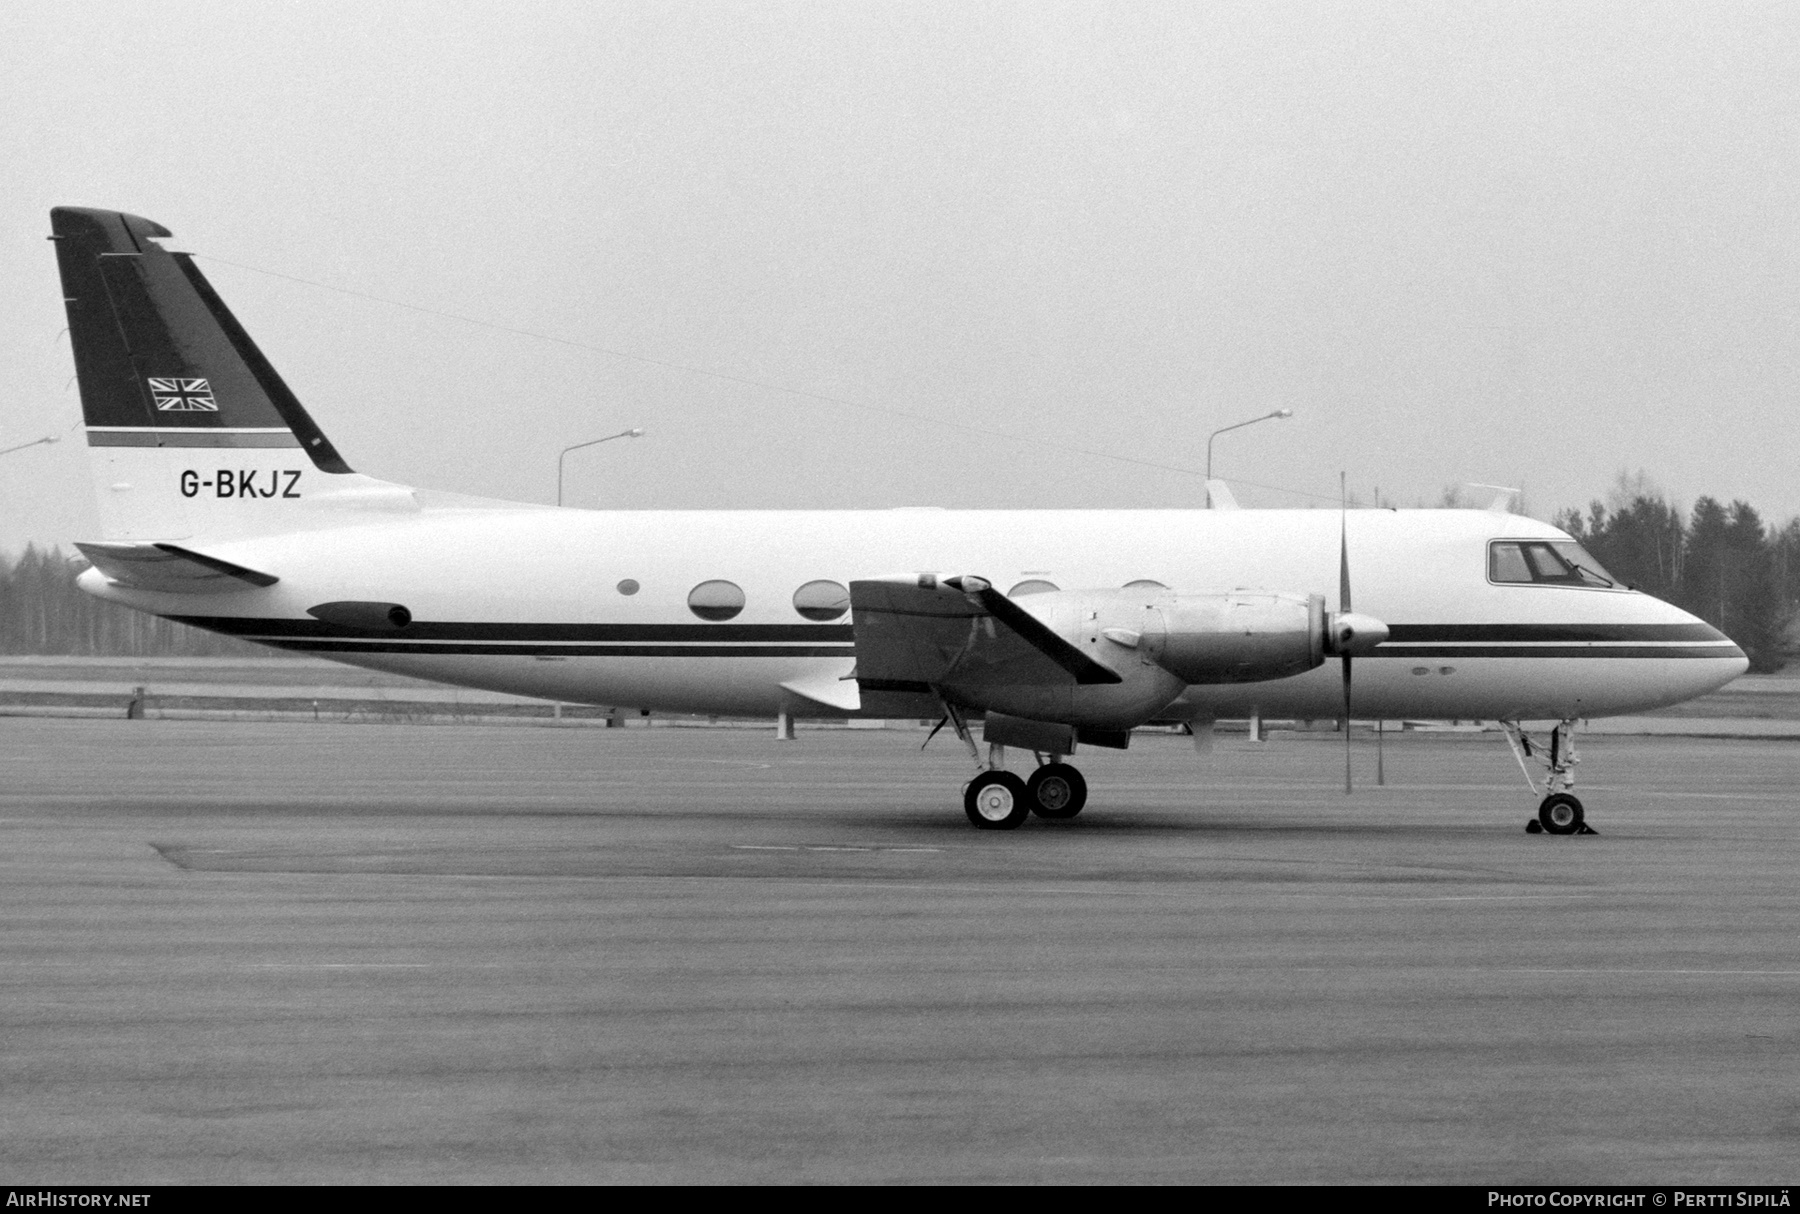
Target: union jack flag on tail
x=183 y=396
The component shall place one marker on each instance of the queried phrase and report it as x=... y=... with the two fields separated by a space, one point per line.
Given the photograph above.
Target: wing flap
x=170 y=569
x=913 y=636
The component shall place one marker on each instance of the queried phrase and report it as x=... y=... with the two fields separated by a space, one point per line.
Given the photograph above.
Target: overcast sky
x=1519 y=244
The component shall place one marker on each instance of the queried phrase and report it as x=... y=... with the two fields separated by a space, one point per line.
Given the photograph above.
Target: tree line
x=1722 y=563
x=42 y=612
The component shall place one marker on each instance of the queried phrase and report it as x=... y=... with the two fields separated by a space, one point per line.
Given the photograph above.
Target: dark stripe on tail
x=323 y=454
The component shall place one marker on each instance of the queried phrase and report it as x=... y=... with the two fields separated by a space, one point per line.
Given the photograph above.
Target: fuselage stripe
x=1565 y=633
x=312 y=629
x=525 y=649
x=751 y=650
x=1441 y=634
x=1406 y=641
x=1724 y=650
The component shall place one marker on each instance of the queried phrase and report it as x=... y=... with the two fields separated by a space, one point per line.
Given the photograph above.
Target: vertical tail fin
x=191 y=429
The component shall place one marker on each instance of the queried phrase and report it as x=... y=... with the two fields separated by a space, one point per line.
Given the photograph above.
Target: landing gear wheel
x=996 y=800
x=1056 y=791
x=1560 y=814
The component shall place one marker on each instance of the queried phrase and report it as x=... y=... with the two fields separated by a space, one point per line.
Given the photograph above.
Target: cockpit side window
x=1545 y=563
x=1506 y=563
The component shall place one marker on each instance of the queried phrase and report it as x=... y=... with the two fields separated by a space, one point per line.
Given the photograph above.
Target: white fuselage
x=529 y=600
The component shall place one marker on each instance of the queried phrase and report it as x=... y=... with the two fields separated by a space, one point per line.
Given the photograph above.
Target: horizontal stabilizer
x=917 y=636
x=170 y=569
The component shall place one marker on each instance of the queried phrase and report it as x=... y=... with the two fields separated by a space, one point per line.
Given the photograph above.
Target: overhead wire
x=746 y=381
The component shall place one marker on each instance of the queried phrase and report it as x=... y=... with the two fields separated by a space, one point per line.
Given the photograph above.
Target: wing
x=171 y=569
x=917 y=636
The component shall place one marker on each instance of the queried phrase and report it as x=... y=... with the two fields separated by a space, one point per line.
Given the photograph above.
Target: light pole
x=634 y=432
x=48 y=438
x=1238 y=426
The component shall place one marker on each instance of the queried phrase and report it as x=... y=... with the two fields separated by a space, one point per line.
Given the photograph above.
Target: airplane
x=225 y=507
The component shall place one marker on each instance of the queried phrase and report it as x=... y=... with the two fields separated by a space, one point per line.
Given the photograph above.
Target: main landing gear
x=1056 y=791
x=998 y=800
x=1560 y=812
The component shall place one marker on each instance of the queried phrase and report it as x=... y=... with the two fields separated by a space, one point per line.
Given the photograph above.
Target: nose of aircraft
x=1697 y=657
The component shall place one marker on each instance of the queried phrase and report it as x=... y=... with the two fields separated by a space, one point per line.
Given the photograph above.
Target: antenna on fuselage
x=1504 y=496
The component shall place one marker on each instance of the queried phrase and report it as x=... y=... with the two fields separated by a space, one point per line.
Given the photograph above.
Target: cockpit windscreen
x=1546 y=563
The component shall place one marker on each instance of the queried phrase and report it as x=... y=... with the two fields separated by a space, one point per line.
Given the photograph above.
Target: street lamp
x=1279 y=413
x=48 y=438
x=634 y=432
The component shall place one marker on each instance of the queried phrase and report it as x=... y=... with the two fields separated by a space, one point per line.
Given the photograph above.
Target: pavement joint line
x=1448 y=897
x=824 y=847
x=1710 y=796
x=1688 y=973
x=337 y=965
x=1498 y=969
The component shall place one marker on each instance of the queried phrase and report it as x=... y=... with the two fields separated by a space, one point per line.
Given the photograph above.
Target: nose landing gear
x=1560 y=812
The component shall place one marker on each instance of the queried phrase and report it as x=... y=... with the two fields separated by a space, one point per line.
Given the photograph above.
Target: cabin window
x=1032 y=586
x=822 y=600
x=1545 y=563
x=629 y=586
x=716 y=600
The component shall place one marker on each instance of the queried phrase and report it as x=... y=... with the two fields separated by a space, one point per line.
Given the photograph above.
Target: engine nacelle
x=1240 y=636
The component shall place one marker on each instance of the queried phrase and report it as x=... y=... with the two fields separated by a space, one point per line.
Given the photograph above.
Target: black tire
x=1560 y=814
x=1056 y=791
x=996 y=800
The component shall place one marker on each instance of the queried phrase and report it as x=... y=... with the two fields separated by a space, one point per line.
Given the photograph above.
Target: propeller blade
x=1344 y=608
x=1343 y=546
x=1347 y=785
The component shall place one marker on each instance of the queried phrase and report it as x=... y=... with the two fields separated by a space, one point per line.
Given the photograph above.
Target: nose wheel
x=1560 y=814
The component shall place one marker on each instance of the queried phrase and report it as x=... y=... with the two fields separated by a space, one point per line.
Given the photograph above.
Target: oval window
x=715 y=600
x=1032 y=586
x=822 y=600
x=1145 y=582
x=628 y=586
